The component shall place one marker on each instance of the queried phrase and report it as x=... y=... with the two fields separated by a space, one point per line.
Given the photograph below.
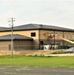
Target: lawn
x=37 y=61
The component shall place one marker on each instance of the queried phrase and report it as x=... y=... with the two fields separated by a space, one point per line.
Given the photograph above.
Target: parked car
x=70 y=50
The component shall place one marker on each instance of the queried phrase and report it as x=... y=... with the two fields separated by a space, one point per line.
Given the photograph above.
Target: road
x=35 y=70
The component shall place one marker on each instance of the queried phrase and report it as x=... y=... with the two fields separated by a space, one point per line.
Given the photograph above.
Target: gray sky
x=50 y=12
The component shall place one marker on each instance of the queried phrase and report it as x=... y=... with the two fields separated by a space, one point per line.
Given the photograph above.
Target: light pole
x=12 y=38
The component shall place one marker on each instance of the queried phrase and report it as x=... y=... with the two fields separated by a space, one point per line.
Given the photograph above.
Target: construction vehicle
x=55 y=36
x=58 y=37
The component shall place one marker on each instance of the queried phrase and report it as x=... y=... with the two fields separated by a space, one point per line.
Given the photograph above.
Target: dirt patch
x=36 y=52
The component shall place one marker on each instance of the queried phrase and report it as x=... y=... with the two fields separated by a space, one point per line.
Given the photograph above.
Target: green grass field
x=37 y=61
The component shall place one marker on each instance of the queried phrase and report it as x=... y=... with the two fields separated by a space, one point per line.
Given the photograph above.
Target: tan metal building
x=37 y=35
x=20 y=42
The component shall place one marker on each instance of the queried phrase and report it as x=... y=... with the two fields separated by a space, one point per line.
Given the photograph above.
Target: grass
x=37 y=61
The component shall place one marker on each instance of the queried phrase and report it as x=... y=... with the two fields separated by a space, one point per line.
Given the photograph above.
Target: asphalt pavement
x=35 y=70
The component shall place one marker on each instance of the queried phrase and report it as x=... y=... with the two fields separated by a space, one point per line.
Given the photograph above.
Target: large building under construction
x=36 y=37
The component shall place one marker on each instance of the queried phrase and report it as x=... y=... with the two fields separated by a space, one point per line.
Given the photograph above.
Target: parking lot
x=35 y=70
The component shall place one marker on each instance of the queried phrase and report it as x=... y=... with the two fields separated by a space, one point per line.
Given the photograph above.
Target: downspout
x=39 y=39
x=63 y=40
x=54 y=39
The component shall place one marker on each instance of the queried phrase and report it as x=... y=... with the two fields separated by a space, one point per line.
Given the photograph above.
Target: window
x=65 y=36
x=33 y=34
x=69 y=36
x=61 y=35
x=73 y=36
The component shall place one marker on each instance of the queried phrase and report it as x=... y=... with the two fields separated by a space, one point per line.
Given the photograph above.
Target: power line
x=12 y=38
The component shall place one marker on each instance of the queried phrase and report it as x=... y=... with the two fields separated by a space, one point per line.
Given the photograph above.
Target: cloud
x=4 y=18
x=56 y=12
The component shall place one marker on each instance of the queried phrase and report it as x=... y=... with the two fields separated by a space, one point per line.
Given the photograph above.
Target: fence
x=33 y=47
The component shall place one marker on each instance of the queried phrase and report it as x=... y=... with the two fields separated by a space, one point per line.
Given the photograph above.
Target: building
x=36 y=36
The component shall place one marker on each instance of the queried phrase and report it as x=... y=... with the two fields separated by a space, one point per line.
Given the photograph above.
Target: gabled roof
x=39 y=26
x=15 y=37
x=4 y=28
x=27 y=26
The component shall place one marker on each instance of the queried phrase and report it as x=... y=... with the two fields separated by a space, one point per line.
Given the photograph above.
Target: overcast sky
x=49 y=12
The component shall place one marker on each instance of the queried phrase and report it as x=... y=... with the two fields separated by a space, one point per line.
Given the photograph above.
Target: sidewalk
x=69 y=54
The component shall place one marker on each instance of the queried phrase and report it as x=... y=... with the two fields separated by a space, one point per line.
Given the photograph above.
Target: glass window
x=33 y=34
x=69 y=36
x=65 y=36
x=73 y=36
x=61 y=35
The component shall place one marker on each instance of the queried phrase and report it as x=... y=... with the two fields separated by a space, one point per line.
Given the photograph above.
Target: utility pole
x=12 y=46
